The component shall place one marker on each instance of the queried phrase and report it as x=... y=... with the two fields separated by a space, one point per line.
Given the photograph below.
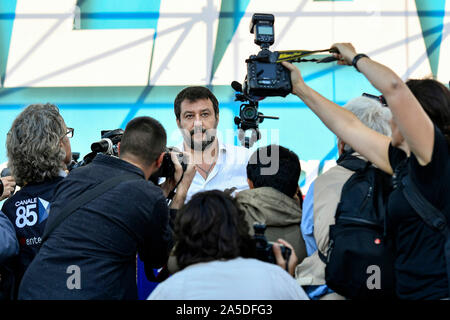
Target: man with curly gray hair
x=38 y=149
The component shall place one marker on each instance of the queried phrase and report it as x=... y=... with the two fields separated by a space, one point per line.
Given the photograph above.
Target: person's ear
x=250 y=184
x=159 y=160
x=118 y=149
x=178 y=124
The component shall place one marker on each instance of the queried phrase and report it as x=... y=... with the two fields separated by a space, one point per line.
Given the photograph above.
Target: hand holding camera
x=288 y=263
x=7 y=184
x=179 y=173
x=280 y=253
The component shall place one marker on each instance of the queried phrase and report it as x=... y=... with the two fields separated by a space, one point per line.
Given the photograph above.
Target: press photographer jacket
x=92 y=253
x=28 y=212
x=280 y=213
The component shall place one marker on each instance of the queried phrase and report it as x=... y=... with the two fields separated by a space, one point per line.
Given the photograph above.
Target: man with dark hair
x=91 y=254
x=274 y=198
x=215 y=252
x=218 y=165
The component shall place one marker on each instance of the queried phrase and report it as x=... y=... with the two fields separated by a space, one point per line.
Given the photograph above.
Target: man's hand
x=293 y=260
x=9 y=185
x=346 y=53
x=299 y=86
x=183 y=186
x=170 y=183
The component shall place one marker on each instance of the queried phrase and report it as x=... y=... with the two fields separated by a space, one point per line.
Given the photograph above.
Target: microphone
x=236 y=86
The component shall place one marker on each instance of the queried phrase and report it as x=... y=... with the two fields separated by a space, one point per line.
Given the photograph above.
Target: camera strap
x=82 y=199
x=172 y=193
x=297 y=56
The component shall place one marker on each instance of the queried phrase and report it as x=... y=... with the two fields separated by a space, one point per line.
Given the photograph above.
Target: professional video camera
x=264 y=250
x=266 y=76
x=107 y=145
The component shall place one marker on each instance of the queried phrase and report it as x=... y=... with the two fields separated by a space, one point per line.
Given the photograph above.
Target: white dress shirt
x=230 y=171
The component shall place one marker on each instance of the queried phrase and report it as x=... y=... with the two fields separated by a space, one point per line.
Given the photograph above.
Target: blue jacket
x=9 y=245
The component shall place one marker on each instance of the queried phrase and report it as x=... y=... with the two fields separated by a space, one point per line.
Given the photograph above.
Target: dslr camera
x=264 y=250
x=167 y=169
x=265 y=77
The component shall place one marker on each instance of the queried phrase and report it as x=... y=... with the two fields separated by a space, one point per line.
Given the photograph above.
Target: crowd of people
x=77 y=234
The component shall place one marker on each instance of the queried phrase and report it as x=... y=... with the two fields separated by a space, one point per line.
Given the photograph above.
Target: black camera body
x=167 y=169
x=264 y=250
x=265 y=77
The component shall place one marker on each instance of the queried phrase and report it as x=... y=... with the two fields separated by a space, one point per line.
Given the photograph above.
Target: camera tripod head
x=249 y=118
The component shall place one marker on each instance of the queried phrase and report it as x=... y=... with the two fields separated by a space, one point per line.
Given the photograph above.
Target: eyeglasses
x=69 y=133
x=380 y=99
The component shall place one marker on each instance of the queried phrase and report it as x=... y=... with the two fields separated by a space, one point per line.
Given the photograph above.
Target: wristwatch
x=356 y=59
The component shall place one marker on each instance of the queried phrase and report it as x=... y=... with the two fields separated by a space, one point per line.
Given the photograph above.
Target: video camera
x=107 y=145
x=264 y=250
x=249 y=117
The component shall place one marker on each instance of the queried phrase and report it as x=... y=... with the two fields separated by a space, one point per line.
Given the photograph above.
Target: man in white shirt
x=219 y=166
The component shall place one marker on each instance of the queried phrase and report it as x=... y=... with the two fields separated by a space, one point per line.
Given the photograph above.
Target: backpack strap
x=82 y=199
x=351 y=162
x=430 y=215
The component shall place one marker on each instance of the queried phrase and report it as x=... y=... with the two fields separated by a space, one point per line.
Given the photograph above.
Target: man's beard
x=201 y=146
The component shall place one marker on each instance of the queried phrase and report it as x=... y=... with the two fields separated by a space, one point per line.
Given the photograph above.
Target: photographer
x=271 y=197
x=418 y=153
x=214 y=251
x=38 y=149
x=91 y=253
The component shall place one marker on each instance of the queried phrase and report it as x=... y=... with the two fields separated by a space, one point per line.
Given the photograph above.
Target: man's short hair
x=371 y=113
x=285 y=179
x=193 y=94
x=211 y=227
x=144 y=138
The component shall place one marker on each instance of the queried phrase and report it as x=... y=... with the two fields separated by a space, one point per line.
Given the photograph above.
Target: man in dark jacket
x=92 y=253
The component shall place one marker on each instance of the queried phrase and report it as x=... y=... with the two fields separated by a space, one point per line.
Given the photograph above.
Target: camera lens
x=249 y=113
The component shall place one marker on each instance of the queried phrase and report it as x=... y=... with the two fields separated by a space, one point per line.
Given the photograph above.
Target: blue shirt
x=307 y=229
